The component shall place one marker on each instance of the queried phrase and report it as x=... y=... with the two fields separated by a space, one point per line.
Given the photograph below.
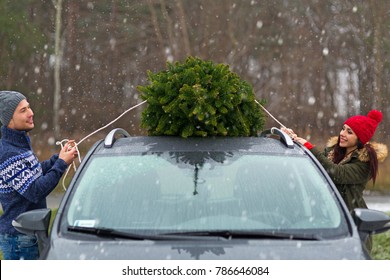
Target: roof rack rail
x=110 y=138
x=282 y=136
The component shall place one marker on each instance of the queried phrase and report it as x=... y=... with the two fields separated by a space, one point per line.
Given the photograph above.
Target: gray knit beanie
x=9 y=100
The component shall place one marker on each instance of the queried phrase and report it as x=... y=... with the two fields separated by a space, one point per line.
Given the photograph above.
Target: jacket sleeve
x=47 y=164
x=23 y=173
x=353 y=172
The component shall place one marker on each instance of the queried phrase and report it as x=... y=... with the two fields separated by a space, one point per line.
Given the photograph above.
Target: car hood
x=348 y=248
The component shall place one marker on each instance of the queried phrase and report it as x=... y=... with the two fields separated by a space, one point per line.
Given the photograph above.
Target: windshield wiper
x=110 y=233
x=113 y=233
x=232 y=234
x=227 y=234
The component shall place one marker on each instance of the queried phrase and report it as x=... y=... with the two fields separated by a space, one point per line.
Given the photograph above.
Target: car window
x=204 y=191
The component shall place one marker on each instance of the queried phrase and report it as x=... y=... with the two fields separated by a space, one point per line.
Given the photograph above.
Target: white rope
x=73 y=164
x=265 y=110
x=89 y=135
x=121 y=115
x=125 y=112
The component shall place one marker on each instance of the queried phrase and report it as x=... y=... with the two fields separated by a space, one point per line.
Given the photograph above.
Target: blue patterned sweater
x=24 y=181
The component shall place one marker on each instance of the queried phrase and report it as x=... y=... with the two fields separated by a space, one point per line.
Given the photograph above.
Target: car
x=221 y=198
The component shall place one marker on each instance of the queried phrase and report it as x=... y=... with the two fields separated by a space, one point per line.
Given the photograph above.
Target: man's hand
x=69 y=152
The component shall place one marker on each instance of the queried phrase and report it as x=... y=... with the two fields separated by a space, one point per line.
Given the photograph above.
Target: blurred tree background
x=315 y=62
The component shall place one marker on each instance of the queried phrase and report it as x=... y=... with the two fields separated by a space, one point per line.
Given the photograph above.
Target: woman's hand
x=300 y=140
x=289 y=132
x=294 y=136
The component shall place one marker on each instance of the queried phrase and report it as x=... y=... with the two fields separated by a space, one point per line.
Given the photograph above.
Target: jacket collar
x=362 y=154
x=16 y=138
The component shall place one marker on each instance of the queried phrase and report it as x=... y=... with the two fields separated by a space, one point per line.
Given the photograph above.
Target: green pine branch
x=199 y=98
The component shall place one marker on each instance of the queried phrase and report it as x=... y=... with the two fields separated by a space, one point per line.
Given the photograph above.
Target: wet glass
x=192 y=191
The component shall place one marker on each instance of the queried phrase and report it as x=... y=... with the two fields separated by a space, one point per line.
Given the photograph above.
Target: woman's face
x=348 y=138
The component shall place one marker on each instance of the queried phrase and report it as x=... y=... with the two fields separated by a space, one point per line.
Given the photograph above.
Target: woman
x=350 y=159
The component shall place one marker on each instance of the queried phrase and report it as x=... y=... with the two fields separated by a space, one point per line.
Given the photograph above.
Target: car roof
x=270 y=142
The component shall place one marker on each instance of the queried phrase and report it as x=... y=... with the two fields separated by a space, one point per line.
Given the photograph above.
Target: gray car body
x=206 y=249
x=63 y=244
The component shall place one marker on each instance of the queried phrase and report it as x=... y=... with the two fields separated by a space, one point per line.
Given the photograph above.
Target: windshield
x=179 y=192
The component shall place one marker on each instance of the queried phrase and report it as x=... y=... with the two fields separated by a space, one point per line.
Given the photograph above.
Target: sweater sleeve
x=23 y=173
x=353 y=172
x=47 y=164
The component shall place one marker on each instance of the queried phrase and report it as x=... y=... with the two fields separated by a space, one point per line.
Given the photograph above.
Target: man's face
x=22 y=118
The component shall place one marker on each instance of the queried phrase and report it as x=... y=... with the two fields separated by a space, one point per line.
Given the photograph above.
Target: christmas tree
x=200 y=98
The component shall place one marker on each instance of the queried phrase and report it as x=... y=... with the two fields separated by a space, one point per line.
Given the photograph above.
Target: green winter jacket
x=351 y=175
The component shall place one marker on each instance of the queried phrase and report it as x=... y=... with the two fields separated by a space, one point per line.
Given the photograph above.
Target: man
x=24 y=181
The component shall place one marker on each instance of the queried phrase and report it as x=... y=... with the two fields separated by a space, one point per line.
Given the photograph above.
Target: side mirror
x=35 y=222
x=370 y=221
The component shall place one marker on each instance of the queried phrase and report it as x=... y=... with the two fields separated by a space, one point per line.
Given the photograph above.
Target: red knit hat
x=364 y=127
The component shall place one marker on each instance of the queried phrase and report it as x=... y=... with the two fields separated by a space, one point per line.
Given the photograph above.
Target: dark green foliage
x=200 y=98
x=19 y=32
x=381 y=246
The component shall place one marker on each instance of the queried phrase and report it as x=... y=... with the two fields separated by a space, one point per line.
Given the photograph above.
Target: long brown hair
x=373 y=161
x=340 y=152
